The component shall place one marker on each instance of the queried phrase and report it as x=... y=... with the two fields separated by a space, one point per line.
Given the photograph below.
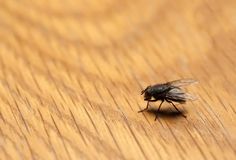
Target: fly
x=169 y=92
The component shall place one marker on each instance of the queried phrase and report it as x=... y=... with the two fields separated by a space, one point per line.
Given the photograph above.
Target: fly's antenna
x=143 y=91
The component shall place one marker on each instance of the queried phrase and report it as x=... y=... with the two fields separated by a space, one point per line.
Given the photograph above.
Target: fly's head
x=147 y=93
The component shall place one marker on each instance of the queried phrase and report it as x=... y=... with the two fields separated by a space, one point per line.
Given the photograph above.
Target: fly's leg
x=151 y=100
x=144 y=108
x=159 y=109
x=176 y=108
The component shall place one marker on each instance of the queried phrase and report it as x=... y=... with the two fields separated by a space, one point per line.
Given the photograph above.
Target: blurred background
x=71 y=73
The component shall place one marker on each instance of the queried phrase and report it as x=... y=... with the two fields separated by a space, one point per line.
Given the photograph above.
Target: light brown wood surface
x=72 y=72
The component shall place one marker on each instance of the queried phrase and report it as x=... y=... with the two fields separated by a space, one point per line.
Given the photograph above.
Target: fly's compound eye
x=147 y=96
x=143 y=91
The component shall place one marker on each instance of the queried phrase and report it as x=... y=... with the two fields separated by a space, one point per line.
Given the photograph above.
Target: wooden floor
x=71 y=73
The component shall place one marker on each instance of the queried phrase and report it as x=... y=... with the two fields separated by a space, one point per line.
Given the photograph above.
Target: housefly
x=169 y=92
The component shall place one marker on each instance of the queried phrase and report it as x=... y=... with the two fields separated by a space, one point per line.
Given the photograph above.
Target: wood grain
x=72 y=71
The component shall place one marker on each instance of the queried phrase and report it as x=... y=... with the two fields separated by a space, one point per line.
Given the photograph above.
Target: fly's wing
x=181 y=82
x=177 y=94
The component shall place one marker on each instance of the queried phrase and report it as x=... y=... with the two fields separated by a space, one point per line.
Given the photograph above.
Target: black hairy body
x=169 y=92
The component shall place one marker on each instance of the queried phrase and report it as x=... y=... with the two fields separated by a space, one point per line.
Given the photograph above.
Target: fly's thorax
x=158 y=89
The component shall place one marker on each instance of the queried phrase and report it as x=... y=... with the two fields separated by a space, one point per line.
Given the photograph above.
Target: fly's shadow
x=167 y=113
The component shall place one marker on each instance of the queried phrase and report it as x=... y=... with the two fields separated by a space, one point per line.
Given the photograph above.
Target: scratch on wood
x=59 y=133
x=49 y=140
x=3 y=119
x=15 y=118
x=55 y=105
x=77 y=126
x=91 y=120
x=22 y=118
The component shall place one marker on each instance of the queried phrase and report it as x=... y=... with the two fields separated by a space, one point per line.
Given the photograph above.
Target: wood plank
x=72 y=72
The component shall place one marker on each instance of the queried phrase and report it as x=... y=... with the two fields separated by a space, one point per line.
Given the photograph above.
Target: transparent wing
x=182 y=82
x=179 y=94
